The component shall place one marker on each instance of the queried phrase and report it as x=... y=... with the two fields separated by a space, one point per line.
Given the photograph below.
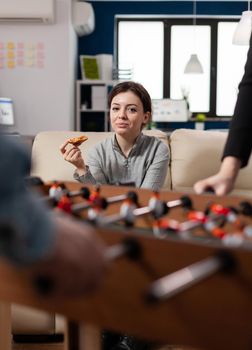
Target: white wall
x=43 y=97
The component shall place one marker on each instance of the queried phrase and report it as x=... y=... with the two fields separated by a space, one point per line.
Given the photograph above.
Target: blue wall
x=101 y=40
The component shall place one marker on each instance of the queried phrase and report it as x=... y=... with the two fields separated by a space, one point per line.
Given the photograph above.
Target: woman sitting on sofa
x=129 y=156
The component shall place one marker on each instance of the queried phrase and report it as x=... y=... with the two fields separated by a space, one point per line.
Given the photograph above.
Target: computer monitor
x=6 y=111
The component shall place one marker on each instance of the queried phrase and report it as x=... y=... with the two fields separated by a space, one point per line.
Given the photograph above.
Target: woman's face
x=127 y=115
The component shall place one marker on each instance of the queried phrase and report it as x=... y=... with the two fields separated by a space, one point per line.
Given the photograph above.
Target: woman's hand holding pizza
x=73 y=154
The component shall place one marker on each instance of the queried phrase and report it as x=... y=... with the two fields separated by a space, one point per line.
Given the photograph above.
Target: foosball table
x=180 y=270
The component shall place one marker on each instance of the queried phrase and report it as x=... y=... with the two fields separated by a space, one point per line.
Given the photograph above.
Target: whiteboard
x=168 y=110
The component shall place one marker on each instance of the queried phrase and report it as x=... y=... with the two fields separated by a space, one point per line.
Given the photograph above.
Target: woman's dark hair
x=137 y=89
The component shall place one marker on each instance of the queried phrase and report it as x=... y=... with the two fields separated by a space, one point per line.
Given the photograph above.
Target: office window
x=230 y=67
x=159 y=48
x=186 y=40
x=141 y=48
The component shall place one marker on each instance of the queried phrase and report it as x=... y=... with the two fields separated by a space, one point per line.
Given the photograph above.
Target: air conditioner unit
x=37 y=11
x=83 y=18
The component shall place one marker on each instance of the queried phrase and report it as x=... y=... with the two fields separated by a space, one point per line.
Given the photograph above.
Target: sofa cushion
x=49 y=164
x=196 y=154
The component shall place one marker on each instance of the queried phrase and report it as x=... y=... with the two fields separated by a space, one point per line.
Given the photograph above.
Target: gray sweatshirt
x=146 y=165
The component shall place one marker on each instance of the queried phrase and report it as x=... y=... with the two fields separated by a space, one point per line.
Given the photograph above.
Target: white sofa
x=193 y=155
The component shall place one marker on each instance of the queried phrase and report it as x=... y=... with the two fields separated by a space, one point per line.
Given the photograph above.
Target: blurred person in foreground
x=53 y=247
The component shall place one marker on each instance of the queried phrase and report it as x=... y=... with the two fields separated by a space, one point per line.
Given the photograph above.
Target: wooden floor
x=59 y=346
x=52 y=346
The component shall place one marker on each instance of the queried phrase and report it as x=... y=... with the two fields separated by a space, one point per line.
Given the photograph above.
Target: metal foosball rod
x=129 y=247
x=160 y=208
x=156 y=207
x=211 y=222
x=130 y=202
x=76 y=208
x=176 y=282
x=229 y=214
x=127 y=214
x=107 y=201
x=83 y=192
x=184 y=202
x=57 y=191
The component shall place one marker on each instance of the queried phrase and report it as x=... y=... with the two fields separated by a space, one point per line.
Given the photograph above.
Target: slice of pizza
x=77 y=141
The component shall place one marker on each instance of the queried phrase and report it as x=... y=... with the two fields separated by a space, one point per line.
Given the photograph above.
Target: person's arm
x=238 y=146
x=73 y=155
x=90 y=173
x=157 y=171
x=95 y=170
x=222 y=182
x=239 y=142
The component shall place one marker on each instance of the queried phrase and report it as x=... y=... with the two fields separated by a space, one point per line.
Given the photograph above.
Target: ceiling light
x=194 y=66
x=244 y=27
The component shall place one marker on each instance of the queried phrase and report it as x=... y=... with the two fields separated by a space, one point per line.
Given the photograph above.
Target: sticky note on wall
x=10 y=45
x=11 y=64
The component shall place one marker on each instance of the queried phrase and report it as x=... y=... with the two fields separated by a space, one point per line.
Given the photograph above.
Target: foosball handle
x=176 y=282
x=129 y=248
x=43 y=284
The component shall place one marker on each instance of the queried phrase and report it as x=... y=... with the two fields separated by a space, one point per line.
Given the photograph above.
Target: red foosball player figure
x=161 y=226
x=210 y=224
x=198 y=216
x=94 y=194
x=98 y=205
x=229 y=213
x=56 y=191
x=196 y=219
x=212 y=227
x=200 y=219
x=65 y=204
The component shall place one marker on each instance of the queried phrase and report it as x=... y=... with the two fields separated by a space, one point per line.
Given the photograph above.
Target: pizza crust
x=77 y=141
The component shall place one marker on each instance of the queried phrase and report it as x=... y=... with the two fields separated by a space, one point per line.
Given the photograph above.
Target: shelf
x=98 y=82
x=93 y=96
x=93 y=110
x=212 y=124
